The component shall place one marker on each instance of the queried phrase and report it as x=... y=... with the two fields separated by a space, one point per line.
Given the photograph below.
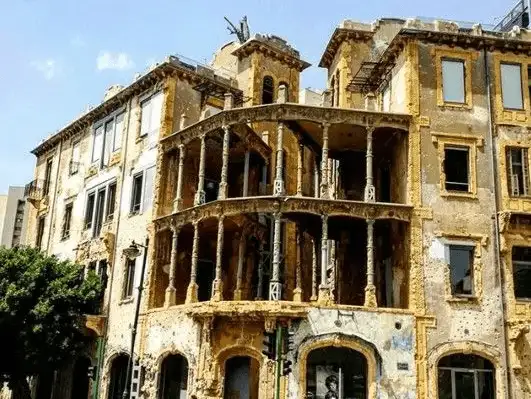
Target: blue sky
x=59 y=56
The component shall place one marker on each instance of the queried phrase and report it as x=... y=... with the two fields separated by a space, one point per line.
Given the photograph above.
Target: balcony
x=36 y=190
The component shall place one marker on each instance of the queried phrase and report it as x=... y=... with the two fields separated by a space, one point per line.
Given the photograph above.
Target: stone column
x=278 y=188
x=300 y=166
x=324 y=289
x=245 y=192
x=200 y=194
x=324 y=162
x=370 y=289
x=370 y=195
x=275 y=288
x=222 y=194
x=178 y=202
x=314 y=270
x=217 y=285
x=169 y=299
x=260 y=290
x=316 y=183
x=191 y=293
x=239 y=273
x=229 y=101
x=297 y=292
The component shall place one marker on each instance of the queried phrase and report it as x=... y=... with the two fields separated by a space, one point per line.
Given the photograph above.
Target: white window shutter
x=148 y=189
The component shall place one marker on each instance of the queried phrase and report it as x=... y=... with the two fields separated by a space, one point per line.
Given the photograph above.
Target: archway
x=80 y=378
x=118 y=377
x=465 y=376
x=336 y=372
x=242 y=376
x=173 y=383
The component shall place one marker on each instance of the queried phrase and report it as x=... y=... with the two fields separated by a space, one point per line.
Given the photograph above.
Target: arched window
x=173 y=377
x=336 y=373
x=242 y=377
x=80 y=378
x=118 y=378
x=287 y=89
x=465 y=376
x=267 y=90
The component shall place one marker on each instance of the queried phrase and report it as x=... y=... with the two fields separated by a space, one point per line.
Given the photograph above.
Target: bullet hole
x=398 y=325
x=466 y=331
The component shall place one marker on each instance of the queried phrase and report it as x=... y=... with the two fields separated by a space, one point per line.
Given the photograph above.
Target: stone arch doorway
x=336 y=372
x=80 y=378
x=242 y=377
x=118 y=377
x=465 y=376
x=173 y=383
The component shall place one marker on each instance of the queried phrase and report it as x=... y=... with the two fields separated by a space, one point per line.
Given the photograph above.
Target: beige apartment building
x=385 y=224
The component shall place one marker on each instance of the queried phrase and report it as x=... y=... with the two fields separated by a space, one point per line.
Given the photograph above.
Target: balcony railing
x=36 y=190
x=517 y=16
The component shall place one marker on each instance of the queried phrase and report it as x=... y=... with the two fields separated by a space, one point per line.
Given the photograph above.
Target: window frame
x=112 y=149
x=522 y=92
x=448 y=252
x=148 y=98
x=514 y=263
x=142 y=203
x=509 y=169
x=89 y=225
x=468 y=58
x=263 y=91
x=67 y=221
x=41 y=225
x=74 y=165
x=463 y=63
x=128 y=288
x=450 y=147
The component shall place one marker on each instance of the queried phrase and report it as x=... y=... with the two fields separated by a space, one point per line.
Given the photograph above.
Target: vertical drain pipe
x=494 y=175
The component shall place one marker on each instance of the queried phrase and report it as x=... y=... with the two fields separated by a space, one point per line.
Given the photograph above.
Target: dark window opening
x=118 y=378
x=40 y=232
x=67 y=220
x=80 y=378
x=336 y=373
x=267 y=90
x=111 y=199
x=242 y=378
x=517 y=171
x=461 y=269
x=465 y=377
x=100 y=205
x=456 y=169
x=173 y=378
x=211 y=190
x=47 y=176
x=205 y=278
x=89 y=210
x=129 y=278
x=521 y=257
x=136 y=199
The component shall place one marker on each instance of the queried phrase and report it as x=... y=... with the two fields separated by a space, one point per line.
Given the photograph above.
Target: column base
x=313 y=298
x=324 y=296
x=217 y=291
x=169 y=299
x=238 y=294
x=370 y=296
x=191 y=293
x=297 y=295
x=177 y=205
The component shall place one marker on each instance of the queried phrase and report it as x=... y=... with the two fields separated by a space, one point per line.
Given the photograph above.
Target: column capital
x=182 y=149
x=370 y=129
x=326 y=125
x=226 y=128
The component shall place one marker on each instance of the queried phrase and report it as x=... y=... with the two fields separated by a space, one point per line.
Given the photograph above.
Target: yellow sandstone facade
x=387 y=225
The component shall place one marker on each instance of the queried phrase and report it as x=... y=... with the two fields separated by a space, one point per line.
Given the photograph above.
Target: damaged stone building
x=385 y=224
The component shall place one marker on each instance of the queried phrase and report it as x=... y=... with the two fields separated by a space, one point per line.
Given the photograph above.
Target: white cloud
x=48 y=68
x=77 y=41
x=118 y=61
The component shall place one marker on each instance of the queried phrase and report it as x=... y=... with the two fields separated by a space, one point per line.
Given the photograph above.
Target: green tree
x=42 y=303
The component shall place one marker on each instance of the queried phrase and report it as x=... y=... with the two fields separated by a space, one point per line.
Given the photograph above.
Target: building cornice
x=338 y=37
x=254 y=45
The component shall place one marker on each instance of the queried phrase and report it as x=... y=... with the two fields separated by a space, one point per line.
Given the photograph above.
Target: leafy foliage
x=42 y=301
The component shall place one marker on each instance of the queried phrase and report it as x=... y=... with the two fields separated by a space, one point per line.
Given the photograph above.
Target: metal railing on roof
x=519 y=16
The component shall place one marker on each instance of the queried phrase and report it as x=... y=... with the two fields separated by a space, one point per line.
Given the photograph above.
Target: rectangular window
x=151 y=113
x=517 y=171
x=453 y=80
x=89 y=210
x=136 y=199
x=511 y=82
x=48 y=176
x=129 y=282
x=100 y=206
x=147 y=199
x=108 y=142
x=67 y=220
x=456 y=169
x=119 y=127
x=97 y=145
x=111 y=200
x=40 y=232
x=461 y=269
x=521 y=258
x=76 y=158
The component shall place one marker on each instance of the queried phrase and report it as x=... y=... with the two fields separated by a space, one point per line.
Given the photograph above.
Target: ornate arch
x=163 y=354
x=481 y=349
x=106 y=370
x=339 y=341
x=239 y=350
